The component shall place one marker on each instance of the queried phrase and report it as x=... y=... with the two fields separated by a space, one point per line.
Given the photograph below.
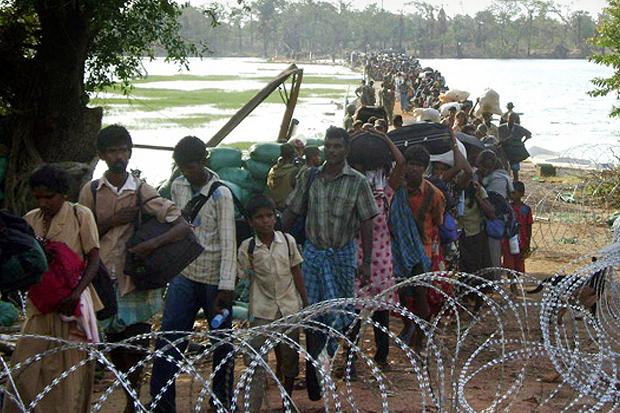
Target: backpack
x=242 y=227
x=22 y=259
x=252 y=247
x=61 y=278
x=504 y=225
x=242 y=291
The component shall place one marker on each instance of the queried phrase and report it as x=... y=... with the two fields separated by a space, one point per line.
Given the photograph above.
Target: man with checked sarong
x=338 y=206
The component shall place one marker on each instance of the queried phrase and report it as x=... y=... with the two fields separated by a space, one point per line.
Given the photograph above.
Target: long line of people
x=424 y=88
x=365 y=230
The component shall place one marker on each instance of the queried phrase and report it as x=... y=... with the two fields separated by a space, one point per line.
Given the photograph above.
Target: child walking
x=523 y=216
x=271 y=261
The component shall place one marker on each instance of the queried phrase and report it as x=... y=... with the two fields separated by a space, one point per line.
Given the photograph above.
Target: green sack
x=265 y=152
x=8 y=314
x=224 y=158
x=240 y=313
x=242 y=194
x=259 y=170
x=24 y=269
x=255 y=186
x=243 y=178
x=236 y=189
x=165 y=187
x=237 y=176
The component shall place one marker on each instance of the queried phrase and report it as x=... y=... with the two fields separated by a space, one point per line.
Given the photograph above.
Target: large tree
x=608 y=39
x=52 y=53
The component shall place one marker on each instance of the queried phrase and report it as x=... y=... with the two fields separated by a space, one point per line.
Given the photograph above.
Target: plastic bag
x=489 y=102
x=456 y=95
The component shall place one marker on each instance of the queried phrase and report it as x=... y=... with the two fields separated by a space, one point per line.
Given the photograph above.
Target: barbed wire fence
x=487 y=359
x=464 y=350
x=572 y=214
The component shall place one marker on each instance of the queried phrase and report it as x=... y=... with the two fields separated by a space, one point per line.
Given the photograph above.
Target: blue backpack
x=504 y=225
x=448 y=231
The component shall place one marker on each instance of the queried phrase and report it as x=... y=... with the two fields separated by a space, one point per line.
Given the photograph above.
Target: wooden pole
x=253 y=103
x=154 y=147
x=290 y=106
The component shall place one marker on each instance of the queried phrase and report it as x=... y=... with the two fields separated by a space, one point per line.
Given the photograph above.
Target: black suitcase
x=163 y=264
x=369 y=151
x=435 y=137
x=364 y=113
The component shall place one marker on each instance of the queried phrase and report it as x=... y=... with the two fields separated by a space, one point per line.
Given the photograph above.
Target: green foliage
x=128 y=31
x=110 y=40
x=602 y=188
x=300 y=28
x=608 y=39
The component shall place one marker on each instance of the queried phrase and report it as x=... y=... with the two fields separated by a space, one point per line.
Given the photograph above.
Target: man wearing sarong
x=338 y=205
x=416 y=214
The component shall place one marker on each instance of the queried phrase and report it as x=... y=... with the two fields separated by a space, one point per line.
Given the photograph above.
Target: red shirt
x=433 y=217
x=523 y=215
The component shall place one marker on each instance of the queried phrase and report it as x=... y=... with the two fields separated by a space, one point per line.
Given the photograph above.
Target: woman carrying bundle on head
x=372 y=154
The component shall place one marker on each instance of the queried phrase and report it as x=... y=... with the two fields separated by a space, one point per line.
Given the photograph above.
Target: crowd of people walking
x=363 y=230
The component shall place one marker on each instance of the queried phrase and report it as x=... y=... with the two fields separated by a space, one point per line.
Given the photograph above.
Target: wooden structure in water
x=289 y=97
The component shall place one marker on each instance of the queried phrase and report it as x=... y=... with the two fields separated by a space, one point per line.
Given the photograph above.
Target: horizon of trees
x=315 y=28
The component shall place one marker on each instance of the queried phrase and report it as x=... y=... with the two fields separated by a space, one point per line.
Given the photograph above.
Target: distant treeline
x=308 y=28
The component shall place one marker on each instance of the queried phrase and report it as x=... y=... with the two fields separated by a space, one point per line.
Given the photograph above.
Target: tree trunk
x=51 y=122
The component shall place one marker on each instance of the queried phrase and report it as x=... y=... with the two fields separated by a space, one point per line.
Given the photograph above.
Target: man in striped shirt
x=338 y=204
x=207 y=283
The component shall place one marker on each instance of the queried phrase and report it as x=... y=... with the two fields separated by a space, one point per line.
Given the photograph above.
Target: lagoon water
x=550 y=94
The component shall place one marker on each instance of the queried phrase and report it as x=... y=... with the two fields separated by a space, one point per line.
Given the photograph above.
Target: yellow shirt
x=75 y=226
x=272 y=287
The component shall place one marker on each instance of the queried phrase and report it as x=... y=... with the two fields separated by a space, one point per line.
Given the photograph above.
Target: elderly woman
x=58 y=220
